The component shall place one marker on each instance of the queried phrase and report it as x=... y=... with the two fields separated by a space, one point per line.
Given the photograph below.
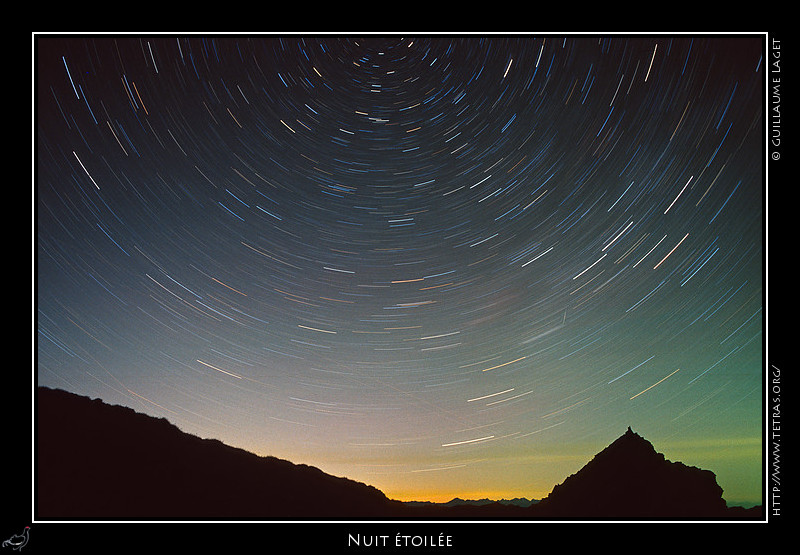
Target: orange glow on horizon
x=438 y=496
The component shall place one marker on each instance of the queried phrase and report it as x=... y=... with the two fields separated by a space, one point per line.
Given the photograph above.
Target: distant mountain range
x=457 y=501
x=96 y=461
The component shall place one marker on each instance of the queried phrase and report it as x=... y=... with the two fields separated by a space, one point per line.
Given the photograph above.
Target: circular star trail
x=443 y=266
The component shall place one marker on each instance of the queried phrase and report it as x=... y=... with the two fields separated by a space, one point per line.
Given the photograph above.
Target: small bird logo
x=18 y=541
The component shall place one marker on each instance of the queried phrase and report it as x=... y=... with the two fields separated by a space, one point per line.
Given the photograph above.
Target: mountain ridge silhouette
x=99 y=461
x=96 y=460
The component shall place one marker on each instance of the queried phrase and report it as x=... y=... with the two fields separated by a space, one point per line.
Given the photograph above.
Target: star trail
x=440 y=265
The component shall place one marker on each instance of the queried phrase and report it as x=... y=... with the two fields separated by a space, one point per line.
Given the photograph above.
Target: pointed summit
x=630 y=445
x=630 y=479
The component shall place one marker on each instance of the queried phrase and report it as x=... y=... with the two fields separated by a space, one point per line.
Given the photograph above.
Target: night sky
x=440 y=265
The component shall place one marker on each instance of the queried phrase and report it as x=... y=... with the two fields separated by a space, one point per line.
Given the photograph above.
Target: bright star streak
x=652 y=386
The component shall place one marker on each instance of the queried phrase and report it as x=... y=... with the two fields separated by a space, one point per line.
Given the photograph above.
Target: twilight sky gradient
x=443 y=266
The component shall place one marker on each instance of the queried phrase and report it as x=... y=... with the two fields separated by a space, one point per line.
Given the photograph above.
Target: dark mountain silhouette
x=100 y=461
x=95 y=460
x=629 y=479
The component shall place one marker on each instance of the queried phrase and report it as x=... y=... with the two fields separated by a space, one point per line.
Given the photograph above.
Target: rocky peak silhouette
x=630 y=479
